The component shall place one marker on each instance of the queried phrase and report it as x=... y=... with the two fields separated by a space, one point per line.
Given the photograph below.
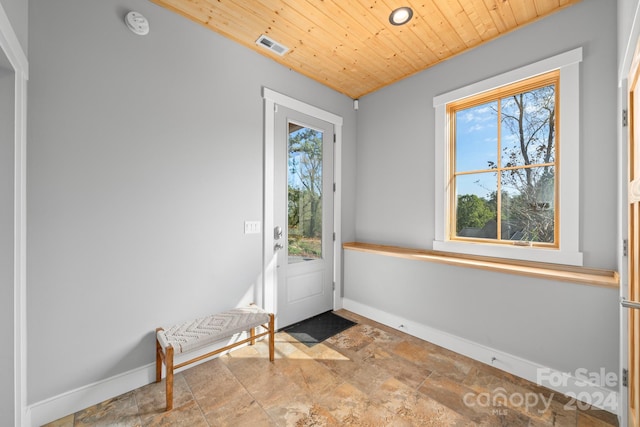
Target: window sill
x=564 y=273
x=510 y=252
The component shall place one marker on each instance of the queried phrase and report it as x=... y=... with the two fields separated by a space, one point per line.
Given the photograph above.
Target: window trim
x=568 y=63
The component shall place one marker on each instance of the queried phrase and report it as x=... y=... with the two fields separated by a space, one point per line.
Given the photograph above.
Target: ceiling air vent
x=272 y=45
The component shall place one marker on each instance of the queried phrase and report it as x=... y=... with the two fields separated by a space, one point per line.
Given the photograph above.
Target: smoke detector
x=137 y=23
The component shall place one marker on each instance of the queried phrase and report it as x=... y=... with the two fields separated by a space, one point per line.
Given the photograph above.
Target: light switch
x=251 y=227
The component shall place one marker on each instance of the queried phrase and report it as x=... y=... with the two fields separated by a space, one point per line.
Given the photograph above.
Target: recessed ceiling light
x=401 y=16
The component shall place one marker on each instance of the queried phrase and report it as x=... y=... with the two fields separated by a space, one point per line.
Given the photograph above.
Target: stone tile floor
x=368 y=375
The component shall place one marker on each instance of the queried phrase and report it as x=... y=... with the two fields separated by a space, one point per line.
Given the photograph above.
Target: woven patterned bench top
x=206 y=330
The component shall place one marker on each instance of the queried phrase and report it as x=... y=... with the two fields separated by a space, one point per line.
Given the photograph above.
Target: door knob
x=630 y=304
x=277 y=232
x=277 y=247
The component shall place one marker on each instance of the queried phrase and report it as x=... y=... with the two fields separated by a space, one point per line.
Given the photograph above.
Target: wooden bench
x=198 y=333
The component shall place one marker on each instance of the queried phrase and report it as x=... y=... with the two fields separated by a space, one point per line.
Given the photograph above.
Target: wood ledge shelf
x=564 y=273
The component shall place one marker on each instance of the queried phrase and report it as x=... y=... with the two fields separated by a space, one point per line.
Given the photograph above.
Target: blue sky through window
x=296 y=160
x=476 y=148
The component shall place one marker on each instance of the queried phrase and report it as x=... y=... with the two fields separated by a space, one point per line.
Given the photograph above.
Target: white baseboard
x=561 y=382
x=70 y=402
x=73 y=401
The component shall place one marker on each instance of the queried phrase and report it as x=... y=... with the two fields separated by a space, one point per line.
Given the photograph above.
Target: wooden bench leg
x=271 y=336
x=252 y=333
x=169 y=388
x=158 y=358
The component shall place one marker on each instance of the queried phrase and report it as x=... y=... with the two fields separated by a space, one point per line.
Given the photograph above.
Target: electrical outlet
x=251 y=227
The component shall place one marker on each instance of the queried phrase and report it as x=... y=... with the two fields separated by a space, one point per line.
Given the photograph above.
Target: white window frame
x=568 y=251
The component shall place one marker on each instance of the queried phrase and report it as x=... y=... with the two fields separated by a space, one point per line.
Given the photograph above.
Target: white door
x=303 y=215
x=633 y=292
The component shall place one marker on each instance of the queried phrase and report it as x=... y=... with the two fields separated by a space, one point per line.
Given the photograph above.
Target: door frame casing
x=268 y=295
x=10 y=45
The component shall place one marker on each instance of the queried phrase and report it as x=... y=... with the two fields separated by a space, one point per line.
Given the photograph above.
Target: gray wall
x=395 y=203
x=7 y=204
x=17 y=11
x=145 y=157
x=559 y=325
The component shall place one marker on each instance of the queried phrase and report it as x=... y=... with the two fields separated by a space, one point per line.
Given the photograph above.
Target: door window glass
x=304 y=200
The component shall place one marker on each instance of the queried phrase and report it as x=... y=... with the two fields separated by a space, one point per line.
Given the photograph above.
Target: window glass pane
x=476 y=205
x=528 y=128
x=513 y=139
x=476 y=137
x=305 y=193
x=528 y=204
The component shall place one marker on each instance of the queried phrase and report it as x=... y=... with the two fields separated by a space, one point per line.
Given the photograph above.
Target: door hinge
x=334 y=236
x=334 y=138
x=334 y=286
x=625 y=118
x=334 y=187
x=625 y=247
x=625 y=377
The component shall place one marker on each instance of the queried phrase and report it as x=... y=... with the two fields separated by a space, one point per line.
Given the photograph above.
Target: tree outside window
x=304 y=193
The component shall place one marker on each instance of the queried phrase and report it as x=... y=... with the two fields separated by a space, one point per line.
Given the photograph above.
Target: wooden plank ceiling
x=350 y=46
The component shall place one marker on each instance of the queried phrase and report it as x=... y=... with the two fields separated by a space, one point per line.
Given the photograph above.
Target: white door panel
x=304 y=286
x=303 y=209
